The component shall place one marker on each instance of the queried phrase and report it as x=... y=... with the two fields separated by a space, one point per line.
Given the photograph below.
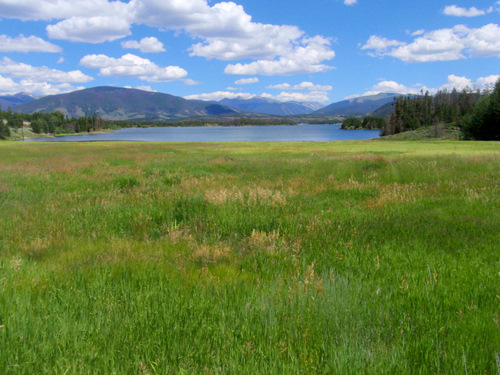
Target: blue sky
x=318 y=50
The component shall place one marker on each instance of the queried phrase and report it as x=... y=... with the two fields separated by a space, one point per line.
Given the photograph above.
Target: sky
x=289 y=50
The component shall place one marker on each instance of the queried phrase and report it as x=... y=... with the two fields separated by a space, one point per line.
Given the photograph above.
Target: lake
x=305 y=132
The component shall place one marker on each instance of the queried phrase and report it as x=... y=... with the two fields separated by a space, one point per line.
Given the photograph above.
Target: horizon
x=329 y=51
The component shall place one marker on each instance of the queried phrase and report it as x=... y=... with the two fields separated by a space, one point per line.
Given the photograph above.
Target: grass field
x=362 y=257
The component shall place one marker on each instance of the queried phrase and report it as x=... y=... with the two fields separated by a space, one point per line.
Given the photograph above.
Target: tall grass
x=318 y=258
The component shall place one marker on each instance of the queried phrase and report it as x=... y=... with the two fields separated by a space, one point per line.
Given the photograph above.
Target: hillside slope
x=269 y=106
x=359 y=105
x=114 y=103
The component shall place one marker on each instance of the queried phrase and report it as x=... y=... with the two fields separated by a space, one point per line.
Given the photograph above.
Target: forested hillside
x=477 y=113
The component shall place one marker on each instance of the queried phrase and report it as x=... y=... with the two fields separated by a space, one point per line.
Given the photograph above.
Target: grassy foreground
x=250 y=258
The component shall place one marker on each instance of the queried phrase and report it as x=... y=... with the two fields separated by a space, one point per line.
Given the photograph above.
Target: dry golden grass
x=396 y=193
x=248 y=196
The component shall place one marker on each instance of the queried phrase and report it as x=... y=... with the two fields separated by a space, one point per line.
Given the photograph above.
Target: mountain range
x=115 y=103
x=271 y=106
x=358 y=105
x=7 y=101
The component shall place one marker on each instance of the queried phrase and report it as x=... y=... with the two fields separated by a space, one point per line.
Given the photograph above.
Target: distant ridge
x=359 y=105
x=7 y=101
x=115 y=103
x=270 y=106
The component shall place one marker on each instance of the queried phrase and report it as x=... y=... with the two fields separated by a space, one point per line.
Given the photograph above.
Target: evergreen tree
x=484 y=122
x=4 y=130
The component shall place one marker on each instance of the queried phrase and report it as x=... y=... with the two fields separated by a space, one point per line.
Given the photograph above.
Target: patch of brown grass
x=396 y=193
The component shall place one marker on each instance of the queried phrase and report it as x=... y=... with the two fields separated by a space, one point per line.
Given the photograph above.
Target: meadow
x=353 y=257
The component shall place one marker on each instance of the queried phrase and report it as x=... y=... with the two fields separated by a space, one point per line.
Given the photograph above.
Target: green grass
x=231 y=258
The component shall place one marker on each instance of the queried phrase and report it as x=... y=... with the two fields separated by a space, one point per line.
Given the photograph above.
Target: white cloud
x=302 y=86
x=132 y=66
x=453 y=82
x=483 y=42
x=145 y=45
x=96 y=29
x=487 y=82
x=441 y=45
x=246 y=81
x=143 y=88
x=226 y=31
x=453 y=10
x=9 y=86
x=314 y=96
x=45 y=88
x=350 y=2
x=305 y=57
x=60 y=9
x=40 y=74
x=190 y=82
x=22 y=43
x=17 y=77
x=380 y=44
x=218 y=95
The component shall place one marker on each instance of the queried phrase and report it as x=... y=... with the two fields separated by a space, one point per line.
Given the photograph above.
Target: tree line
x=476 y=113
x=58 y=123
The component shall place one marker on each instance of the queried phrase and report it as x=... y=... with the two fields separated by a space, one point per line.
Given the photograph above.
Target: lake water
x=304 y=132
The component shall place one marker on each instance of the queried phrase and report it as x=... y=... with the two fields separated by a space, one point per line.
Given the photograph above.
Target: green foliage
x=424 y=110
x=4 y=130
x=484 y=122
x=351 y=123
x=371 y=122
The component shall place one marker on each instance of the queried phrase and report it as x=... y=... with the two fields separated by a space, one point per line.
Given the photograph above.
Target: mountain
x=270 y=106
x=115 y=103
x=359 y=105
x=385 y=110
x=7 y=101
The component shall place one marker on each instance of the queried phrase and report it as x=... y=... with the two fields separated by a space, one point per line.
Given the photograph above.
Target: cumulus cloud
x=301 y=86
x=246 y=81
x=453 y=82
x=226 y=31
x=143 y=88
x=456 y=43
x=190 y=82
x=130 y=65
x=313 y=96
x=380 y=44
x=453 y=10
x=23 y=43
x=145 y=45
x=89 y=29
x=40 y=74
x=16 y=77
x=350 y=2
x=8 y=86
x=218 y=95
x=40 y=80
x=305 y=57
x=60 y=9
